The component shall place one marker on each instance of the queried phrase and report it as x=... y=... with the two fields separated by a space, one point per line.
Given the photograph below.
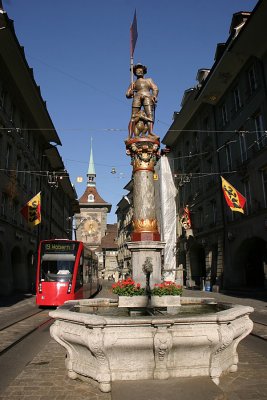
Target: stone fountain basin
x=105 y=345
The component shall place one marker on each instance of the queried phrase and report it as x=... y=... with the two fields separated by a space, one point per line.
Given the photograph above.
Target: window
x=213 y=212
x=30 y=181
x=252 y=80
x=14 y=211
x=196 y=142
x=187 y=148
x=209 y=164
x=261 y=135
x=8 y=157
x=224 y=114
x=26 y=137
x=206 y=124
x=200 y=219
x=22 y=126
x=4 y=205
x=12 y=112
x=18 y=168
x=2 y=98
x=247 y=196
x=264 y=185
x=24 y=178
x=243 y=145
x=228 y=157
x=237 y=100
x=33 y=183
x=91 y=198
x=79 y=278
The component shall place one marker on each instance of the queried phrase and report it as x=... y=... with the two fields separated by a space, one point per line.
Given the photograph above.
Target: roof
x=91 y=167
x=98 y=201
x=230 y=59
x=25 y=85
x=109 y=241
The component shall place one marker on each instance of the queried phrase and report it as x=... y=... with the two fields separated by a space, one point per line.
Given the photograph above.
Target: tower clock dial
x=91 y=226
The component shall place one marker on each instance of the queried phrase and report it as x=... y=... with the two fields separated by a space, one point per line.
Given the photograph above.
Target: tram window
x=85 y=274
x=57 y=270
x=79 y=279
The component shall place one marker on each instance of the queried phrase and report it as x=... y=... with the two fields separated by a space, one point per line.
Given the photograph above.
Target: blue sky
x=79 y=51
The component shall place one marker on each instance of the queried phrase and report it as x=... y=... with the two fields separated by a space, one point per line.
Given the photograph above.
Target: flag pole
x=131 y=67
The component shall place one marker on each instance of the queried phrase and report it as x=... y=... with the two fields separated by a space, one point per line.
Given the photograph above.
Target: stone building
x=220 y=130
x=29 y=163
x=91 y=223
x=124 y=219
x=108 y=251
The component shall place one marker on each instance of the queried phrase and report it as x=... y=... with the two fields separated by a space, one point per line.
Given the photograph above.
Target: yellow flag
x=235 y=200
x=32 y=210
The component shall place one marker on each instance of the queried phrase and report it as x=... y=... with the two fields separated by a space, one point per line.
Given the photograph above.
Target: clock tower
x=91 y=222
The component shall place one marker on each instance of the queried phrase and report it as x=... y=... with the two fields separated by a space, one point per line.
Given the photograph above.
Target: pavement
x=45 y=376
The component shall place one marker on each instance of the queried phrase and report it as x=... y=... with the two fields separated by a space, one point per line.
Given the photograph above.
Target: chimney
x=238 y=20
x=219 y=51
x=202 y=75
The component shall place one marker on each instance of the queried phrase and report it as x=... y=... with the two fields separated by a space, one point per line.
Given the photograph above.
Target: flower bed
x=167 y=288
x=128 y=287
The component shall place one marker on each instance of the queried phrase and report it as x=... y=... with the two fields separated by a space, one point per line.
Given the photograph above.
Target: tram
x=66 y=270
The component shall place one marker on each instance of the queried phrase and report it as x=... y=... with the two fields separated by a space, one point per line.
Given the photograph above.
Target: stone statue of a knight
x=144 y=93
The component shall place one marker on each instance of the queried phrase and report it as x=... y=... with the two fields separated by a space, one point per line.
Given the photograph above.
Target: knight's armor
x=142 y=95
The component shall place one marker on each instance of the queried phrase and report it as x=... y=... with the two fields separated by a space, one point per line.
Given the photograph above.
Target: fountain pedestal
x=145 y=244
x=141 y=251
x=107 y=346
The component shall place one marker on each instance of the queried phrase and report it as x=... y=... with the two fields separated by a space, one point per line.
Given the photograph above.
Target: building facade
x=109 y=253
x=124 y=220
x=220 y=130
x=29 y=163
x=91 y=225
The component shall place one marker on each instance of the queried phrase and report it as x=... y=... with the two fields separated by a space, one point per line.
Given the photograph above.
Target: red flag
x=32 y=210
x=133 y=34
x=185 y=218
x=235 y=200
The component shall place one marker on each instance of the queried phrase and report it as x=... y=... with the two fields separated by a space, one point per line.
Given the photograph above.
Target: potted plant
x=166 y=294
x=130 y=293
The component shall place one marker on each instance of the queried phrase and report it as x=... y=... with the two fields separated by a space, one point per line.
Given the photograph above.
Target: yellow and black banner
x=235 y=200
x=32 y=211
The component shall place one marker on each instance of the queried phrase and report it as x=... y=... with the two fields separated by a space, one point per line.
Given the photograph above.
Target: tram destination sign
x=64 y=247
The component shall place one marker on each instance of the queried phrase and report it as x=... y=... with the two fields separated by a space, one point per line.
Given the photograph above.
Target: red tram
x=66 y=270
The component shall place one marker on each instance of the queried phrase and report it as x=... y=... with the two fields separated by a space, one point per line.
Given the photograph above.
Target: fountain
x=106 y=343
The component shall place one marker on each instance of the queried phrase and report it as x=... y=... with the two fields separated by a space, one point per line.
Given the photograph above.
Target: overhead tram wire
x=79 y=80
x=190 y=155
x=64 y=174
x=45 y=173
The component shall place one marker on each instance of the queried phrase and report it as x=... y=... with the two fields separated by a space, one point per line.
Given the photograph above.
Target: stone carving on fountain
x=144 y=155
x=112 y=347
x=162 y=348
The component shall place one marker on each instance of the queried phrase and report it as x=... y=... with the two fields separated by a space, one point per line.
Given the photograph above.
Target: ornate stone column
x=144 y=153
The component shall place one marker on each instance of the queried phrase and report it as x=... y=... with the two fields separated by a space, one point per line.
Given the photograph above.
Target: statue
x=144 y=93
x=140 y=127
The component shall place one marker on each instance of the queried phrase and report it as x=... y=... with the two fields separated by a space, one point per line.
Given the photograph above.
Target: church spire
x=91 y=169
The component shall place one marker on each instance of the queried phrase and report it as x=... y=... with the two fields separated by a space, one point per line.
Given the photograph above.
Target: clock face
x=91 y=227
